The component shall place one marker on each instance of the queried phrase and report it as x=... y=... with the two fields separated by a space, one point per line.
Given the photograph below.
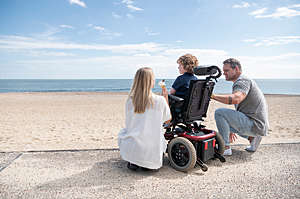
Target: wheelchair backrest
x=197 y=101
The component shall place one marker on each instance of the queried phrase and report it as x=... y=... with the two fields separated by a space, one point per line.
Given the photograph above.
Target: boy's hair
x=233 y=63
x=141 y=90
x=188 y=62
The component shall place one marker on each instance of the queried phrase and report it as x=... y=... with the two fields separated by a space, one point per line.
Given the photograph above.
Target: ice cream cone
x=162 y=84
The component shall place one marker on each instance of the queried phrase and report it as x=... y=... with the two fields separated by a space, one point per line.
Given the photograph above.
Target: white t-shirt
x=142 y=141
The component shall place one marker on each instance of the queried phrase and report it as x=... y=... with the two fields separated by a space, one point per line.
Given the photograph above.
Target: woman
x=142 y=141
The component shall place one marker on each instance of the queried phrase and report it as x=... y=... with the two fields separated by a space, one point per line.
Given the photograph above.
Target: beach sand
x=63 y=121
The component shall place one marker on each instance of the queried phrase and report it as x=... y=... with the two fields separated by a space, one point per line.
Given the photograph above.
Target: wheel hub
x=180 y=154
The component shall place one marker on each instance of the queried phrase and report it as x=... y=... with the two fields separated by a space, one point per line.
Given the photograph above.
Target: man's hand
x=232 y=137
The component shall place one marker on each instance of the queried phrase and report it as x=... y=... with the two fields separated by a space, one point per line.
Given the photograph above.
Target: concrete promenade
x=271 y=172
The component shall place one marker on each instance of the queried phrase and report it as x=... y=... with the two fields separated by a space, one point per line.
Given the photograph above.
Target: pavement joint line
x=62 y=150
x=6 y=165
x=268 y=144
x=117 y=149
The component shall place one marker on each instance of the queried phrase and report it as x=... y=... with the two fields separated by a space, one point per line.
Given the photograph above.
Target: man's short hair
x=233 y=63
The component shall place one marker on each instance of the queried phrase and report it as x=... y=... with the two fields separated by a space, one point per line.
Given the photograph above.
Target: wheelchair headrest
x=207 y=70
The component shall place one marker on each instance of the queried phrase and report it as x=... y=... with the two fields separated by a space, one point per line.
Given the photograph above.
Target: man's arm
x=235 y=98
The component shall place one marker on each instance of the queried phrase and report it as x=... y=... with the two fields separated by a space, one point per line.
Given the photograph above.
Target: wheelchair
x=189 y=142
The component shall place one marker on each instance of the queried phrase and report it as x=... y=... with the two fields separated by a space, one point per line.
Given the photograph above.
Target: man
x=250 y=119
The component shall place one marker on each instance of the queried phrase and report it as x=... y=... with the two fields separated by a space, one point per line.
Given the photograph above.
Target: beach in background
x=268 y=86
x=92 y=120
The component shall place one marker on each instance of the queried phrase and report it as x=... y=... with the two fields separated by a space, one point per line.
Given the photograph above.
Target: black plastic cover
x=213 y=71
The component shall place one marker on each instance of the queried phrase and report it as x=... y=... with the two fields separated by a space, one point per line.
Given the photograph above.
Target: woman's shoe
x=146 y=169
x=132 y=167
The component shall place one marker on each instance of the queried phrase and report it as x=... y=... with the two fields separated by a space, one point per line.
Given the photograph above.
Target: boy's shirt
x=182 y=84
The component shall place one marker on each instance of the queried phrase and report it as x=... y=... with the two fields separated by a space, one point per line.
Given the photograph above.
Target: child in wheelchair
x=180 y=87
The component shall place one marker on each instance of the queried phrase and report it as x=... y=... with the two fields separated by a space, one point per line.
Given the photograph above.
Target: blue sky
x=96 y=39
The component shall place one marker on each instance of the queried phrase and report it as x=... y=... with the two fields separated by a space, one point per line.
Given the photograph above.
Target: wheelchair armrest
x=175 y=98
x=175 y=102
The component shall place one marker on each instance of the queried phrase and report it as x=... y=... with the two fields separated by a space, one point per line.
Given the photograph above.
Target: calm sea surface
x=268 y=86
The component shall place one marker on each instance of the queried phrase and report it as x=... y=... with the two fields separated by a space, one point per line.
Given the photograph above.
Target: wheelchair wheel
x=182 y=154
x=220 y=143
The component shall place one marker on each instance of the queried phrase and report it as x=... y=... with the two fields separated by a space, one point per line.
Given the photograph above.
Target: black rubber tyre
x=220 y=143
x=182 y=154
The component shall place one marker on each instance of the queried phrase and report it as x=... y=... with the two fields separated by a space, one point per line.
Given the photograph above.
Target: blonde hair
x=141 y=90
x=188 y=62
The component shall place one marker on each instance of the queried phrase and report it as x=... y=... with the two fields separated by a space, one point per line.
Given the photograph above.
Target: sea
x=268 y=86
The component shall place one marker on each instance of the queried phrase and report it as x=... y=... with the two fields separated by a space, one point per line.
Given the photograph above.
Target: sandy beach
x=64 y=145
x=62 y=121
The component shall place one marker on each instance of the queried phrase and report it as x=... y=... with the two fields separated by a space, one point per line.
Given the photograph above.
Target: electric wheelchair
x=189 y=142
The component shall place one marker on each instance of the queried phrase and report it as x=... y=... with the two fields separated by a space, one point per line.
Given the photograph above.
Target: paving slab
x=7 y=158
x=271 y=172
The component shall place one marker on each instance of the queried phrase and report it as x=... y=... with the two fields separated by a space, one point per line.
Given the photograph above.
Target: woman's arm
x=166 y=111
x=165 y=94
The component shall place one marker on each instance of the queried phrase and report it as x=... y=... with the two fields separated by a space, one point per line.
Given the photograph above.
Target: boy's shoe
x=132 y=167
x=227 y=152
x=254 y=144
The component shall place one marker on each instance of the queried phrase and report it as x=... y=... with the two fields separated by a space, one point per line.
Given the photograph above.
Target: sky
x=111 y=39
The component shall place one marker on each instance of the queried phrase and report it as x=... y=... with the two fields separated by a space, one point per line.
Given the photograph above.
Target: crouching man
x=250 y=119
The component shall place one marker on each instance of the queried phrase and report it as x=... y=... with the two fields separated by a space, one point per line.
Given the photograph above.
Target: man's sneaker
x=227 y=152
x=254 y=144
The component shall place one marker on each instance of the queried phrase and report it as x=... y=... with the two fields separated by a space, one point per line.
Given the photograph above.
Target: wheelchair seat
x=195 y=105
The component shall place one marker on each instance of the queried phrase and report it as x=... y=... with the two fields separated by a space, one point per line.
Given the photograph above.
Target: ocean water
x=268 y=86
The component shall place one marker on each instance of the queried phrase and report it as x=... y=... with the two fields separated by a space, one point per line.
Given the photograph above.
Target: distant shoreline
x=111 y=93
x=286 y=87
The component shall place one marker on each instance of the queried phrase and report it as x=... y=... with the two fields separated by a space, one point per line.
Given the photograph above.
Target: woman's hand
x=164 y=92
